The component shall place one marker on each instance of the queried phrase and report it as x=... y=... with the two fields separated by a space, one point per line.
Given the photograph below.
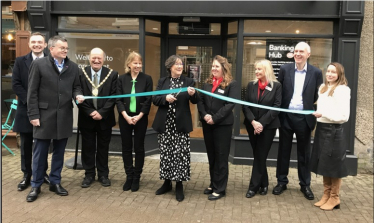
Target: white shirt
x=34 y=57
x=296 y=102
x=336 y=108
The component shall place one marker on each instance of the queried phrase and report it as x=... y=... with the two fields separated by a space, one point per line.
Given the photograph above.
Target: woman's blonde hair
x=130 y=58
x=226 y=72
x=340 y=81
x=268 y=69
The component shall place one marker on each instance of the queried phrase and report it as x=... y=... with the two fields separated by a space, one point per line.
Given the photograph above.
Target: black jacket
x=105 y=106
x=20 y=80
x=183 y=112
x=220 y=110
x=143 y=83
x=272 y=97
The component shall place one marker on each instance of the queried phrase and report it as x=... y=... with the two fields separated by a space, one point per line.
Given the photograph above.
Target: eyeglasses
x=178 y=64
x=63 y=48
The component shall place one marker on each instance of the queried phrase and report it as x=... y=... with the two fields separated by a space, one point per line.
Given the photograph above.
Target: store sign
x=194 y=71
x=280 y=52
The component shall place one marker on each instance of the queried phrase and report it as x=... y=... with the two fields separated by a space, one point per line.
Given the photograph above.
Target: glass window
x=195 y=28
x=152 y=26
x=288 y=26
x=260 y=48
x=233 y=27
x=101 y=23
x=116 y=47
x=152 y=67
x=231 y=54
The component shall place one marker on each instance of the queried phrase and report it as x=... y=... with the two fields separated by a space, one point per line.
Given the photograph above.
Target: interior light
x=259 y=43
x=155 y=28
x=268 y=31
x=10 y=37
x=297 y=31
x=252 y=43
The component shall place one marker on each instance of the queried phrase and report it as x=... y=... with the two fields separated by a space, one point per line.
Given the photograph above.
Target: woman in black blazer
x=133 y=117
x=173 y=122
x=217 y=120
x=261 y=124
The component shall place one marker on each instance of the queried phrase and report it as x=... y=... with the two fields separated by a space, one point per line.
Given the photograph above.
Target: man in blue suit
x=22 y=124
x=300 y=82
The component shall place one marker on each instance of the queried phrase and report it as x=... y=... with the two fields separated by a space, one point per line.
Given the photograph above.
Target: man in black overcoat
x=22 y=124
x=96 y=117
x=53 y=85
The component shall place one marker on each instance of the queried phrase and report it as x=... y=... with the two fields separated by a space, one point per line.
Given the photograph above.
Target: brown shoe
x=334 y=200
x=326 y=192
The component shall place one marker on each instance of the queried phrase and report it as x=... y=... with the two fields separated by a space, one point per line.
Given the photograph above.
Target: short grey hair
x=53 y=40
x=304 y=44
x=171 y=61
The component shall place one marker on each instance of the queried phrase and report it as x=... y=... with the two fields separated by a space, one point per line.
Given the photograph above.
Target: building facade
x=241 y=31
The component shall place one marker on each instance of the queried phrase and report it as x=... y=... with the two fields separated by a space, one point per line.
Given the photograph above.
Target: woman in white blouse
x=329 y=148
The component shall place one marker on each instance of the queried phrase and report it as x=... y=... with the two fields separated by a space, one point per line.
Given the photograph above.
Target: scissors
x=178 y=92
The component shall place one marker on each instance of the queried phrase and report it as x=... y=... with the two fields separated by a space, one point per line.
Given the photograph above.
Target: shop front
x=197 y=31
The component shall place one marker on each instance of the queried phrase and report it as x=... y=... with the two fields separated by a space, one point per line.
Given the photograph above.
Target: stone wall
x=364 y=116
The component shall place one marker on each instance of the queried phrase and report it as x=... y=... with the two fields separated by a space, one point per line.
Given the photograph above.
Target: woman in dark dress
x=217 y=120
x=261 y=124
x=329 y=148
x=173 y=122
x=133 y=117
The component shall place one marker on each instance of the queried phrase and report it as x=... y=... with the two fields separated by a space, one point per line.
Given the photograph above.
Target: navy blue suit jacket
x=313 y=79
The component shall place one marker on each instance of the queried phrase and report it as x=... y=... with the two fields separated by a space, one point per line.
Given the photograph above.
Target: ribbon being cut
x=176 y=90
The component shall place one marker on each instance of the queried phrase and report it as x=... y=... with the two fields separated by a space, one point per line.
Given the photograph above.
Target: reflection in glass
x=255 y=49
x=92 y=23
x=233 y=27
x=152 y=67
x=288 y=26
x=152 y=26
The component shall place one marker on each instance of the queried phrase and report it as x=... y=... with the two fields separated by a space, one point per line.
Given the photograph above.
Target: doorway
x=197 y=57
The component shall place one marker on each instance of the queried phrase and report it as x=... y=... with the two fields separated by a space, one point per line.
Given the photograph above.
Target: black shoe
x=46 y=179
x=87 y=181
x=215 y=196
x=58 y=189
x=250 y=193
x=105 y=182
x=128 y=184
x=208 y=191
x=263 y=190
x=135 y=184
x=25 y=183
x=279 y=189
x=166 y=187
x=179 y=192
x=308 y=194
x=35 y=191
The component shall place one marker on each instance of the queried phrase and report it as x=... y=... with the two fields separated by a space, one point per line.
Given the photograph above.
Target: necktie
x=133 y=99
x=96 y=82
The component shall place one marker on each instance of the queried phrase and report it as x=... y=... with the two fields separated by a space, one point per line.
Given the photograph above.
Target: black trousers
x=261 y=145
x=127 y=144
x=294 y=123
x=95 y=148
x=26 y=154
x=217 y=140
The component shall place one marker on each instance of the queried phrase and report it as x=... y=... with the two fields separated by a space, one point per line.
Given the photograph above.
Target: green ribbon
x=221 y=97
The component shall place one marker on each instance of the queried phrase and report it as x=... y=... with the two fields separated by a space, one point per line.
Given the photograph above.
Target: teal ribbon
x=303 y=112
x=176 y=90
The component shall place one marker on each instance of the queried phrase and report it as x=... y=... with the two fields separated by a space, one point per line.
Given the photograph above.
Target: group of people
x=45 y=88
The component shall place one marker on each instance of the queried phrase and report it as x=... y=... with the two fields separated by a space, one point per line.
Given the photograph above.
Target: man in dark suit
x=22 y=124
x=53 y=83
x=96 y=117
x=300 y=82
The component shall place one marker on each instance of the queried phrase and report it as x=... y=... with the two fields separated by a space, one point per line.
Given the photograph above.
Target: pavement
x=112 y=204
